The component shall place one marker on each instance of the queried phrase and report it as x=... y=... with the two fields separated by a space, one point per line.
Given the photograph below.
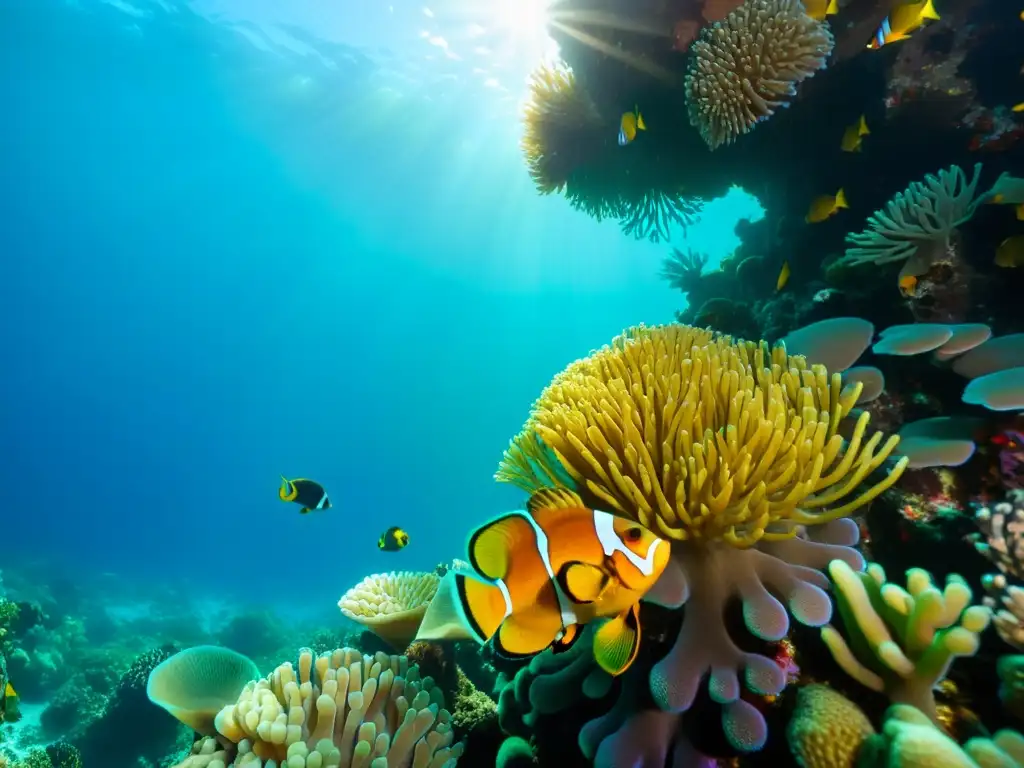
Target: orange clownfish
x=553 y=569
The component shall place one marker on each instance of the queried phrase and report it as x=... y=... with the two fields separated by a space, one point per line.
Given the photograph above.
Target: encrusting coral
x=339 y=709
x=392 y=605
x=902 y=641
x=730 y=450
x=748 y=65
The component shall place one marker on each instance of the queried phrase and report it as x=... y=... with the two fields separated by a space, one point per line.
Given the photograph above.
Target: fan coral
x=557 y=112
x=337 y=708
x=748 y=65
x=392 y=605
x=731 y=451
x=917 y=224
x=652 y=215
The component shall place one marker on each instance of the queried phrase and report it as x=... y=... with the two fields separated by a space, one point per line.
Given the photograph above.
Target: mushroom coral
x=730 y=450
x=392 y=605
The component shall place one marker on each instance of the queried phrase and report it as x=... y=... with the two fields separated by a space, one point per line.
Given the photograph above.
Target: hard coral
x=730 y=450
x=338 y=707
x=748 y=65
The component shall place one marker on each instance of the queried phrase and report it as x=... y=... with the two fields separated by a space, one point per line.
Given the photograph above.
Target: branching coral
x=653 y=215
x=391 y=604
x=731 y=451
x=917 y=224
x=338 y=709
x=558 y=111
x=748 y=65
x=902 y=641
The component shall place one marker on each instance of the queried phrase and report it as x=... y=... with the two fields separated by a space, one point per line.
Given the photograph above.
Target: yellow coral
x=392 y=605
x=827 y=729
x=699 y=436
x=340 y=709
x=746 y=66
x=557 y=111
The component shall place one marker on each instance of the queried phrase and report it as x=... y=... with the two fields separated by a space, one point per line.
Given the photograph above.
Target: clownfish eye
x=633 y=534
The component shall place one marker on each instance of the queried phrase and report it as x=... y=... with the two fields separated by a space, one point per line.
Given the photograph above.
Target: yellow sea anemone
x=392 y=605
x=699 y=436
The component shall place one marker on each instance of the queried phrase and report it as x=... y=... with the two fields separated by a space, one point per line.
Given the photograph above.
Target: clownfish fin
x=617 y=641
x=567 y=639
x=483 y=605
x=492 y=544
x=554 y=498
x=523 y=635
x=582 y=582
x=287 y=491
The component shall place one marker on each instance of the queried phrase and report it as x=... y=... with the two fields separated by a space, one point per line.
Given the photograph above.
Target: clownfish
x=554 y=568
x=310 y=494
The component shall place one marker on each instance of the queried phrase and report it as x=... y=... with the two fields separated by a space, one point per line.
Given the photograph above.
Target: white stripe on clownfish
x=604 y=526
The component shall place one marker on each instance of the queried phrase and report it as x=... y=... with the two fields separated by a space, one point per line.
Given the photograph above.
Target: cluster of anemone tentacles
x=730 y=450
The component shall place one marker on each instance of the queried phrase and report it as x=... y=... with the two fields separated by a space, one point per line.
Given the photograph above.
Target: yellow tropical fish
x=1010 y=253
x=1018 y=107
x=854 y=135
x=902 y=21
x=825 y=206
x=819 y=9
x=908 y=285
x=629 y=124
x=783 y=276
x=555 y=568
x=307 y=493
x=1001 y=200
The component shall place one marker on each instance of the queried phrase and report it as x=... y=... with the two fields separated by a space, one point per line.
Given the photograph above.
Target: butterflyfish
x=825 y=206
x=783 y=276
x=819 y=9
x=553 y=568
x=1010 y=252
x=309 y=494
x=393 y=539
x=854 y=136
x=902 y=21
x=629 y=124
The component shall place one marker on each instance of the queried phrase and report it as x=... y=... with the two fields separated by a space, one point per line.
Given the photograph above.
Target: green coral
x=37 y=758
x=63 y=755
x=515 y=752
x=471 y=706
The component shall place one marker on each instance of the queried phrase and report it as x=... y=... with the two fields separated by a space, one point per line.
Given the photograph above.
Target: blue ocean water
x=248 y=238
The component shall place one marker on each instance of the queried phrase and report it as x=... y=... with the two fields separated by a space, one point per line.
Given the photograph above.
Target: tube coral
x=902 y=641
x=731 y=451
x=341 y=709
x=748 y=65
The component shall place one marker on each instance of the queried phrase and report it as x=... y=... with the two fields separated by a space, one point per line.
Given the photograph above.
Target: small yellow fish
x=9 y=691
x=902 y=21
x=908 y=285
x=819 y=9
x=783 y=276
x=1017 y=107
x=854 y=135
x=1001 y=199
x=552 y=569
x=308 y=493
x=393 y=540
x=629 y=124
x=825 y=206
x=1010 y=252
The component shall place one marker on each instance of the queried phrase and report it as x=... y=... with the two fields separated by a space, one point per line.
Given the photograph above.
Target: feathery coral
x=917 y=224
x=557 y=112
x=392 y=605
x=748 y=65
x=702 y=437
x=341 y=709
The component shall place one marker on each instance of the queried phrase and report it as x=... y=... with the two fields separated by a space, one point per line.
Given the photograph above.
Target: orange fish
x=908 y=285
x=825 y=206
x=555 y=568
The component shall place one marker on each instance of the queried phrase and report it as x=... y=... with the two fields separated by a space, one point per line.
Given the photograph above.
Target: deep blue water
x=236 y=245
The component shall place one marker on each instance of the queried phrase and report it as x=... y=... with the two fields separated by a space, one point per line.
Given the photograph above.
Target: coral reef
x=729 y=450
x=392 y=605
